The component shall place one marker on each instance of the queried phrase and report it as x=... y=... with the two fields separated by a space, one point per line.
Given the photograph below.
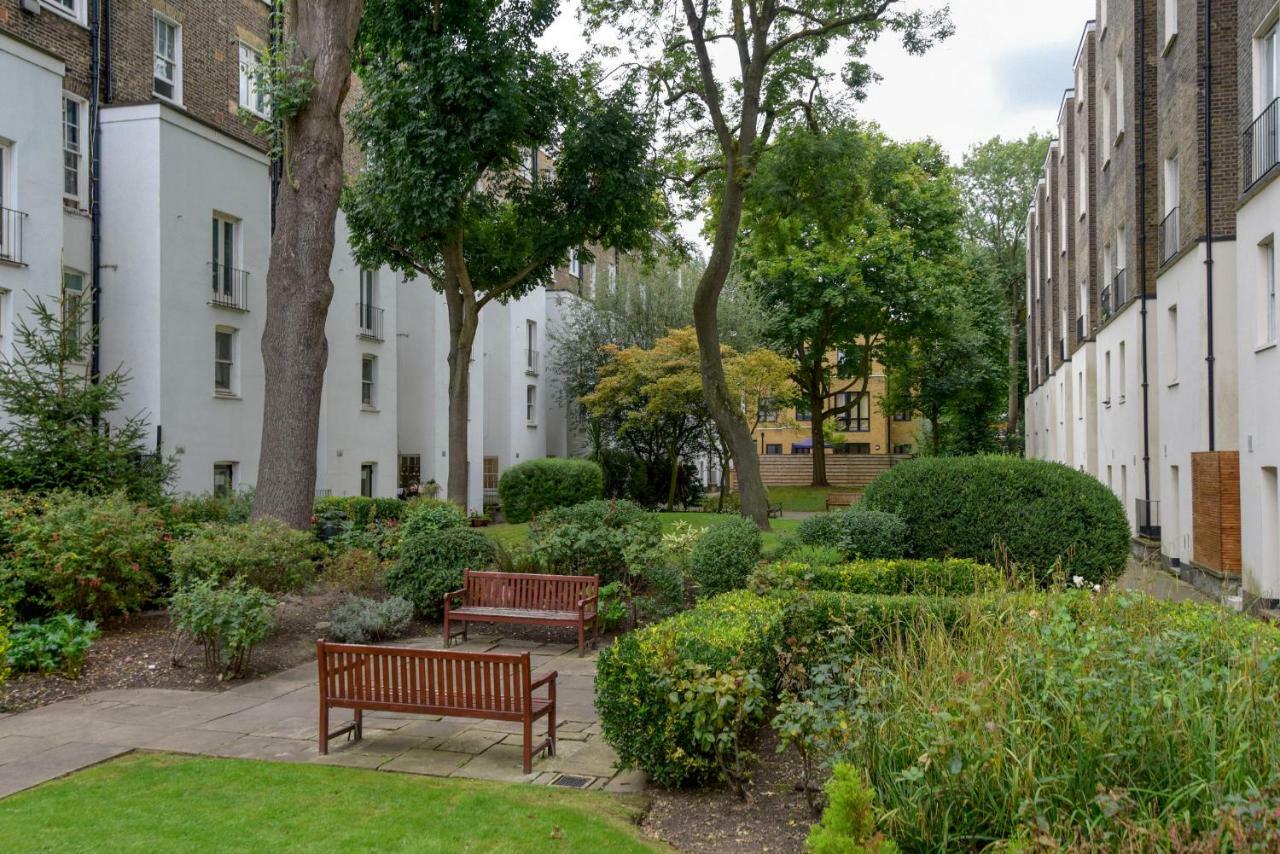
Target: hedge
x=360 y=510
x=739 y=630
x=952 y=577
x=527 y=489
x=593 y=538
x=1045 y=515
x=723 y=558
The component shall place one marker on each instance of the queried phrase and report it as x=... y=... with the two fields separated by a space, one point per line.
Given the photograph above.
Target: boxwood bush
x=435 y=551
x=951 y=577
x=723 y=559
x=859 y=533
x=1044 y=514
x=593 y=538
x=531 y=487
x=265 y=553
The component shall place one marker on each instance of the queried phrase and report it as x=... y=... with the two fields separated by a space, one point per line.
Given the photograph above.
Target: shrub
x=360 y=620
x=594 y=538
x=432 y=560
x=716 y=710
x=359 y=510
x=228 y=622
x=191 y=510
x=533 y=486
x=625 y=474
x=93 y=556
x=58 y=644
x=724 y=557
x=871 y=535
x=820 y=529
x=1044 y=514
x=881 y=577
x=430 y=514
x=265 y=553
x=812 y=555
x=678 y=543
x=4 y=646
x=848 y=823
x=1138 y=714
x=355 y=571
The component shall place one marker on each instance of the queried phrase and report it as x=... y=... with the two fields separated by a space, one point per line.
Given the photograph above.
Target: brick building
x=130 y=172
x=1171 y=228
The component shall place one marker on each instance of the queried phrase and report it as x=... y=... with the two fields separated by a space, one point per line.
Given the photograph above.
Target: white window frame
x=73 y=150
x=531 y=405
x=224 y=252
x=575 y=265
x=1105 y=106
x=1172 y=183
x=232 y=468
x=1102 y=17
x=73 y=307
x=1082 y=192
x=372 y=469
x=176 y=59
x=1171 y=330
x=1170 y=21
x=250 y=98
x=1270 y=314
x=1266 y=58
x=73 y=10
x=1119 y=98
x=368 y=381
x=1121 y=370
x=232 y=388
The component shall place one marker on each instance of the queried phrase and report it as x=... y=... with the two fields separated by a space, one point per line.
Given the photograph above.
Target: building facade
x=130 y=172
x=1163 y=382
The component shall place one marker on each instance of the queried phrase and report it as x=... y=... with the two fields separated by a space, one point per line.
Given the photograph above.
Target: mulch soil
x=713 y=820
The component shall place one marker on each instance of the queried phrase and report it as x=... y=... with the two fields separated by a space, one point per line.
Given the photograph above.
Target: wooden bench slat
x=530 y=598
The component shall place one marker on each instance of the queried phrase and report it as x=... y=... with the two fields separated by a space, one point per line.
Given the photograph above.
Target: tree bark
x=675 y=478
x=464 y=319
x=817 y=421
x=294 y=349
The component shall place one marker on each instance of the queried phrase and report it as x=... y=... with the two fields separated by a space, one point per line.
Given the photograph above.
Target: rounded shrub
x=265 y=553
x=593 y=538
x=871 y=535
x=431 y=563
x=1043 y=516
x=531 y=487
x=724 y=557
x=820 y=529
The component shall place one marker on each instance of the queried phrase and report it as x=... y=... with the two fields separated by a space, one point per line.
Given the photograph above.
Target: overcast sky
x=1003 y=72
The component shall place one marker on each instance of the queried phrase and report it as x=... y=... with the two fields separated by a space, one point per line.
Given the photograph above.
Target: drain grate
x=573 y=781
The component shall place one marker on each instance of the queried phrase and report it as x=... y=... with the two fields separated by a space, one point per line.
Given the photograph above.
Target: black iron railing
x=1148 y=516
x=370 y=320
x=1261 y=145
x=1119 y=291
x=1170 y=236
x=230 y=286
x=11 y=226
x=1104 y=302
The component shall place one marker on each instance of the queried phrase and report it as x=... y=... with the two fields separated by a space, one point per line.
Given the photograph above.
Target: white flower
x=1097 y=588
x=1077 y=580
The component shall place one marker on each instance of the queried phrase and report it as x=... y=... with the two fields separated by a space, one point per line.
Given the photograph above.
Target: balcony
x=369 y=318
x=11 y=225
x=1119 y=291
x=1170 y=236
x=230 y=287
x=1261 y=146
x=531 y=362
x=1104 y=303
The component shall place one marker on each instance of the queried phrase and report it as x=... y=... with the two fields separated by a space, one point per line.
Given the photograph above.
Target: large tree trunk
x=723 y=406
x=294 y=349
x=1014 y=414
x=675 y=479
x=464 y=319
x=817 y=420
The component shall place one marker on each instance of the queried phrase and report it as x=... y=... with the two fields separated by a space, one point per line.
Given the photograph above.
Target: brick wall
x=842 y=470
x=1251 y=14
x=1084 y=138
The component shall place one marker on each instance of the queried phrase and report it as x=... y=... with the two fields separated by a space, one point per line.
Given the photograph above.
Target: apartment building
x=129 y=171
x=1172 y=217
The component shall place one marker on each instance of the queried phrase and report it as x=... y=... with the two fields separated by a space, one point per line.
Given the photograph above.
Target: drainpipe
x=1141 y=164
x=95 y=207
x=1208 y=212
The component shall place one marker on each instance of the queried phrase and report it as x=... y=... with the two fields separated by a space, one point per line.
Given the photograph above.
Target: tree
x=851 y=241
x=308 y=80
x=999 y=179
x=460 y=107
x=723 y=115
x=61 y=430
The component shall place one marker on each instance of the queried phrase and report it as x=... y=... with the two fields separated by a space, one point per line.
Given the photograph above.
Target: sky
x=1002 y=73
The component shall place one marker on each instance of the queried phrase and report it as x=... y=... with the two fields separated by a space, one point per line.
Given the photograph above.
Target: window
x=224 y=361
x=1270 y=520
x=1121 y=375
x=1172 y=184
x=1170 y=21
x=4 y=322
x=1268 y=85
x=802 y=413
x=613 y=277
x=73 y=9
x=251 y=97
x=575 y=266
x=857 y=449
x=223 y=256
x=1171 y=335
x=1080 y=395
x=410 y=470
x=224 y=479
x=368 y=380
x=1119 y=97
x=1082 y=304
x=773 y=450
x=72 y=148
x=801 y=449
x=1082 y=192
x=768 y=413
x=902 y=416
x=531 y=404
x=370 y=315
x=902 y=450
x=366 y=479
x=1102 y=16
x=1062 y=218
x=73 y=309
x=168 y=60
x=857 y=418
x=1105 y=118
x=1106 y=401
x=528 y=163
x=1270 y=318
x=531 y=346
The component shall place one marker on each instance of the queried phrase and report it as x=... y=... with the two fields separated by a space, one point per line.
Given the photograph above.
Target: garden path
x=275 y=719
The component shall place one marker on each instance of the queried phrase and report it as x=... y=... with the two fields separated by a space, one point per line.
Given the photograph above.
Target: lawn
x=509 y=535
x=161 y=802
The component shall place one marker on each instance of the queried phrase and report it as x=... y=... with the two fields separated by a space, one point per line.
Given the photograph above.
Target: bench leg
x=581 y=633
x=528 y=744
x=551 y=730
x=324 y=728
x=359 y=721
x=445 y=645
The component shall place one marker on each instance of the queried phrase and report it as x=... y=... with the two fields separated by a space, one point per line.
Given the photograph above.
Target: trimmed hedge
x=953 y=577
x=859 y=533
x=723 y=559
x=527 y=489
x=1044 y=514
x=741 y=631
x=360 y=510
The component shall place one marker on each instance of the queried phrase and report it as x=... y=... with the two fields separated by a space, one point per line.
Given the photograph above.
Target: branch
x=822 y=26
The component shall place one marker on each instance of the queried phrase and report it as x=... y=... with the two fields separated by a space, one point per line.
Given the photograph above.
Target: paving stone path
x=276 y=719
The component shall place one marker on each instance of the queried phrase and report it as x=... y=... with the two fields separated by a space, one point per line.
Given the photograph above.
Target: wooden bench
x=527 y=598
x=842 y=499
x=775 y=511
x=489 y=686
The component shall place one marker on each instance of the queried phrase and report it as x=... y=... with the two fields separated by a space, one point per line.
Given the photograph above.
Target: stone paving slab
x=276 y=718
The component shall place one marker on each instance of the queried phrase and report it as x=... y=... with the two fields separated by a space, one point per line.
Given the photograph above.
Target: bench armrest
x=549 y=679
x=450 y=596
x=590 y=600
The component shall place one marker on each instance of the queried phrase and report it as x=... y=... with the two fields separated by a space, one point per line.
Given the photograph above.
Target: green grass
x=805 y=499
x=162 y=802
x=509 y=535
